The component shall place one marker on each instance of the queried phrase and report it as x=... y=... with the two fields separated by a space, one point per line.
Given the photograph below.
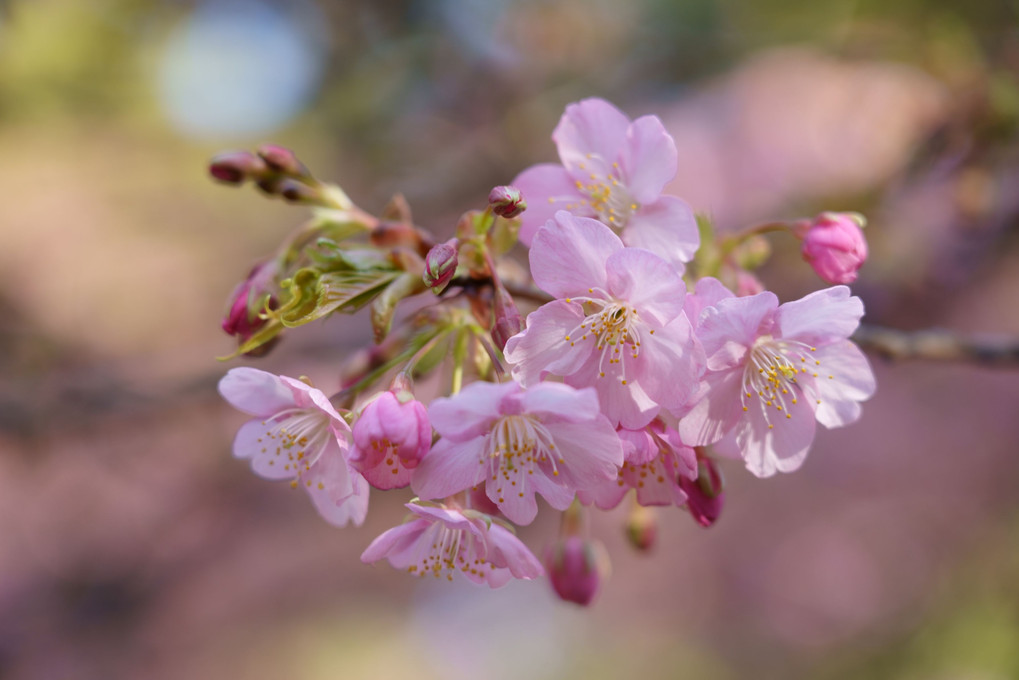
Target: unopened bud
x=294 y=191
x=507 y=201
x=282 y=160
x=235 y=167
x=440 y=265
x=642 y=528
x=834 y=245
x=243 y=318
x=508 y=321
x=575 y=568
x=705 y=495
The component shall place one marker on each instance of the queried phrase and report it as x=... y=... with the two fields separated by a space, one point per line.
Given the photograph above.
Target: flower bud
x=642 y=527
x=507 y=201
x=294 y=191
x=508 y=321
x=705 y=495
x=834 y=245
x=235 y=167
x=391 y=436
x=440 y=265
x=575 y=567
x=748 y=284
x=247 y=301
x=282 y=160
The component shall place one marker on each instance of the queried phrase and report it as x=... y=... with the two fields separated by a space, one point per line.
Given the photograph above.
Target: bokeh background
x=134 y=546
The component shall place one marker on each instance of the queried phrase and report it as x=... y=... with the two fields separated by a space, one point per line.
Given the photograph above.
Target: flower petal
x=782 y=448
x=450 y=467
x=568 y=255
x=506 y=550
x=255 y=392
x=851 y=382
x=666 y=227
x=647 y=282
x=670 y=364
x=543 y=347
x=547 y=188
x=717 y=411
x=822 y=317
x=589 y=136
x=729 y=328
x=559 y=403
x=468 y=414
x=648 y=158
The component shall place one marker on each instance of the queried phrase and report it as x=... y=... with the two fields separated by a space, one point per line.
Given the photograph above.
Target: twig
x=937 y=345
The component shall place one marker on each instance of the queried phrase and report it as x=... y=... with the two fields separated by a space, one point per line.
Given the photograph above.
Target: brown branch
x=937 y=344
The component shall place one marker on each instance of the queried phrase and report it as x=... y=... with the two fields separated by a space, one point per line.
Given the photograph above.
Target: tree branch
x=937 y=345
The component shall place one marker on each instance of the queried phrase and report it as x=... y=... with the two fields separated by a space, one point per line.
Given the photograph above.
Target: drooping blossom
x=551 y=440
x=613 y=170
x=445 y=540
x=775 y=370
x=706 y=493
x=297 y=435
x=655 y=462
x=834 y=245
x=617 y=323
x=391 y=436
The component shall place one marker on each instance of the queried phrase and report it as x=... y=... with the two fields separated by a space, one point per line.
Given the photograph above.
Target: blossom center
x=447 y=550
x=771 y=370
x=615 y=329
x=606 y=194
x=517 y=445
x=299 y=436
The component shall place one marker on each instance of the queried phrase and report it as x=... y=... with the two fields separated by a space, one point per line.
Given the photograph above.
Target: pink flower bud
x=834 y=245
x=642 y=528
x=282 y=160
x=391 y=437
x=575 y=568
x=748 y=284
x=440 y=264
x=234 y=167
x=247 y=302
x=507 y=201
x=508 y=321
x=705 y=495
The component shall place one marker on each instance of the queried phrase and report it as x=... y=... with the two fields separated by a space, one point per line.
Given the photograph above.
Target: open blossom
x=773 y=370
x=550 y=440
x=655 y=462
x=617 y=323
x=442 y=540
x=297 y=435
x=390 y=438
x=613 y=170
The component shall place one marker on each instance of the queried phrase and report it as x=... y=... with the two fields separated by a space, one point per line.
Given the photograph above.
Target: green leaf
x=315 y=295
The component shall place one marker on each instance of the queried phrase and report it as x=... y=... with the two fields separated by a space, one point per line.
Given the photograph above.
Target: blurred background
x=134 y=546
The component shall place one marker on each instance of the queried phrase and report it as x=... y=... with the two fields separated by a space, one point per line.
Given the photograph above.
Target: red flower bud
x=440 y=264
x=282 y=160
x=834 y=245
x=234 y=167
x=507 y=201
x=574 y=569
x=705 y=495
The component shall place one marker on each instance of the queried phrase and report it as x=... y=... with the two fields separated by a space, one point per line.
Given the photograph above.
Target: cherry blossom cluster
x=646 y=349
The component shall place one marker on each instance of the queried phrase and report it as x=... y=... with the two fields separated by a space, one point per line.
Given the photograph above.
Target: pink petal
x=255 y=392
x=450 y=467
x=707 y=292
x=647 y=282
x=268 y=460
x=626 y=405
x=547 y=188
x=667 y=228
x=591 y=451
x=543 y=348
x=507 y=550
x=519 y=506
x=852 y=381
x=590 y=133
x=351 y=509
x=670 y=364
x=307 y=397
x=395 y=540
x=556 y=403
x=470 y=413
x=717 y=411
x=604 y=495
x=730 y=327
x=568 y=255
x=648 y=158
x=821 y=317
x=780 y=449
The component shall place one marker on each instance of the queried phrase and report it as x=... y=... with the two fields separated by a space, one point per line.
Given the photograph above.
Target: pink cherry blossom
x=297 y=435
x=613 y=170
x=655 y=462
x=390 y=438
x=833 y=244
x=773 y=370
x=617 y=323
x=550 y=440
x=448 y=540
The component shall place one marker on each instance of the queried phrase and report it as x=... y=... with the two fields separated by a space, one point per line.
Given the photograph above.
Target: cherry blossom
x=775 y=370
x=446 y=540
x=550 y=440
x=297 y=435
x=617 y=323
x=613 y=170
